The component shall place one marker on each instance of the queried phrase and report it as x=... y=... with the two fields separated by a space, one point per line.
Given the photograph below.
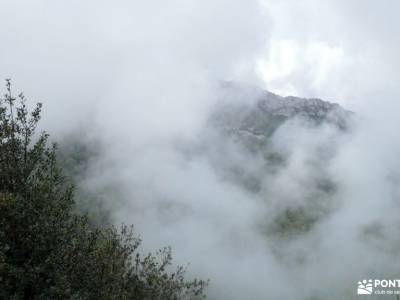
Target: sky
x=142 y=75
x=340 y=50
x=307 y=48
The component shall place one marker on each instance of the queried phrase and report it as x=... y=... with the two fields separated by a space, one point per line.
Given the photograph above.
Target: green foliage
x=47 y=251
x=293 y=222
x=78 y=151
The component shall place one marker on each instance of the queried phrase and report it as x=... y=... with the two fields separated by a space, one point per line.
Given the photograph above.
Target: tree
x=47 y=250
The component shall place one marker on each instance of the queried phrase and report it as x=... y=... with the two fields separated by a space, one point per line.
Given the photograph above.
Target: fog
x=144 y=78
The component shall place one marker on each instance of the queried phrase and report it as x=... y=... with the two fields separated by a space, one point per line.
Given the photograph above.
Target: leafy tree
x=47 y=250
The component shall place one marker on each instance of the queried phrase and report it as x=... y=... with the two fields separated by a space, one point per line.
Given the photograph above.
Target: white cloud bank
x=145 y=73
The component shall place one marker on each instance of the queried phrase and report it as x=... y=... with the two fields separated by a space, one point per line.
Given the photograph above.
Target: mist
x=144 y=78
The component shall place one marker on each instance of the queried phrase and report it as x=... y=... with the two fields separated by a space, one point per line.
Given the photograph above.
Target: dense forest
x=50 y=248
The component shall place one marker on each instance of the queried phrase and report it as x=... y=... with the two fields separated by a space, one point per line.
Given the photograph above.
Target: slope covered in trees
x=47 y=250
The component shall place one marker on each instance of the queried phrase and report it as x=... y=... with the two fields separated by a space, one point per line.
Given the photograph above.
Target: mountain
x=253 y=112
x=265 y=144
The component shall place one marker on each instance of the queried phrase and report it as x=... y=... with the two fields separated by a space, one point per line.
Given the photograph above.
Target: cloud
x=343 y=51
x=161 y=58
x=144 y=77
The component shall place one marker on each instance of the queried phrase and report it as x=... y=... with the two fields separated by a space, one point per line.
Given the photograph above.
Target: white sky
x=342 y=51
